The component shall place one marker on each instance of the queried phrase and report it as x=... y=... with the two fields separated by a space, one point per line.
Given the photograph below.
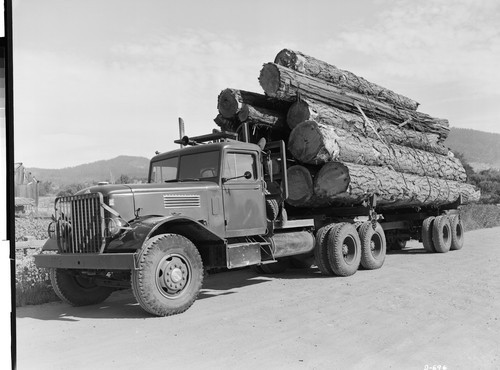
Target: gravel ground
x=418 y=310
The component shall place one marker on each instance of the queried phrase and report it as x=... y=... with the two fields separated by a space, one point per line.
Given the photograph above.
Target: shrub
x=32 y=283
x=31 y=226
x=480 y=216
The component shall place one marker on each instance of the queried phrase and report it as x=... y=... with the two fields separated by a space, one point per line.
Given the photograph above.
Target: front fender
x=144 y=229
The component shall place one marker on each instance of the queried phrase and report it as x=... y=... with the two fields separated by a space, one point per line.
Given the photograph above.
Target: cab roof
x=218 y=146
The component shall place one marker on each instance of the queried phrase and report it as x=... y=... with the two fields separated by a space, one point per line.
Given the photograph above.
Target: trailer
x=218 y=202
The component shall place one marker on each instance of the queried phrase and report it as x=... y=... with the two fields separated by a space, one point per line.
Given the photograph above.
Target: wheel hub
x=345 y=250
x=176 y=275
x=172 y=275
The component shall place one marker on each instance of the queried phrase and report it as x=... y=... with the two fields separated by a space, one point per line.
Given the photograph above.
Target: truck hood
x=107 y=190
x=192 y=199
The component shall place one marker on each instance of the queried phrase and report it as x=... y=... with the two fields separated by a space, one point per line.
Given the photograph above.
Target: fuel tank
x=292 y=243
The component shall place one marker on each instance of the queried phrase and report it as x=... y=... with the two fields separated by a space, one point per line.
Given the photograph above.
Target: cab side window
x=236 y=164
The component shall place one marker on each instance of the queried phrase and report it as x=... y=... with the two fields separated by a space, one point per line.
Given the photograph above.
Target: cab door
x=243 y=197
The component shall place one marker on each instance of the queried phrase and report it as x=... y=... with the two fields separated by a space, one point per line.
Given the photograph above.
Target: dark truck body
x=215 y=205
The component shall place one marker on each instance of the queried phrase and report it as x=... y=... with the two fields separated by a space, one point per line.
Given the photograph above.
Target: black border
x=9 y=136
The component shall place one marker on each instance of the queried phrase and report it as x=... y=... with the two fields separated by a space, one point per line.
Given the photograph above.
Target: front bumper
x=104 y=261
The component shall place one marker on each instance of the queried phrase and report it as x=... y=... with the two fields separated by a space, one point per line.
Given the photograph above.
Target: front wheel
x=77 y=289
x=169 y=275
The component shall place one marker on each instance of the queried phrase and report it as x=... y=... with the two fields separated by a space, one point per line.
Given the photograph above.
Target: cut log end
x=309 y=144
x=298 y=112
x=332 y=179
x=228 y=105
x=269 y=79
x=286 y=58
x=301 y=185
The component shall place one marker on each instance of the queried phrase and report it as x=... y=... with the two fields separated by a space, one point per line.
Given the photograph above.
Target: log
x=262 y=117
x=340 y=184
x=300 y=185
x=286 y=84
x=226 y=124
x=231 y=101
x=316 y=68
x=303 y=110
x=315 y=143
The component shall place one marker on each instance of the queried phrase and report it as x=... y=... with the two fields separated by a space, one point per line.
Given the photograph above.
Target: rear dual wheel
x=344 y=249
x=457 y=232
x=373 y=245
x=442 y=233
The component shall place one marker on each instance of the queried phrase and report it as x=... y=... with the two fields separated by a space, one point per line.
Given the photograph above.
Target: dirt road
x=418 y=310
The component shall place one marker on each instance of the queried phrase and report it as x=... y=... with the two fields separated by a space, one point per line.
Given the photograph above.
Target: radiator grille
x=80 y=226
x=181 y=200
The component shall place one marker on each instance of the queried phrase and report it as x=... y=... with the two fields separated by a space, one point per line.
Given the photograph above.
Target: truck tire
x=77 y=289
x=272 y=209
x=169 y=275
x=427 y=234
x=344 y=249
x=457 y=233
x=321 y=250
x=441 y=234
x=373 y=246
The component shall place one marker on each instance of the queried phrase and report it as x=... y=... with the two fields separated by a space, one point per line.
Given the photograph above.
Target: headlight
x=115 y=225
x=51 y=230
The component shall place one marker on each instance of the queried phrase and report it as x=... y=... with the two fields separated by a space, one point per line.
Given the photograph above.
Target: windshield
x=197 y=166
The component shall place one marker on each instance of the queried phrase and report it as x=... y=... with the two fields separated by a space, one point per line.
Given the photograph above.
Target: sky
x=97 y=79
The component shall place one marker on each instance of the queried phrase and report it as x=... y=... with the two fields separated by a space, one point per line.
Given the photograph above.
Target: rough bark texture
x=286 y=84
x=316 y=68
x=262 y=117
x=338 y=184
x=303 y=110
x=315 y=143
x=231 y=101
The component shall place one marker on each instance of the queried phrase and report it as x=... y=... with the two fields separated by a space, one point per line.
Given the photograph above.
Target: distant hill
x=481 y=149
x=133 y=167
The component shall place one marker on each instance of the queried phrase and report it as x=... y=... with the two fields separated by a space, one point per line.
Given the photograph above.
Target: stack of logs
x=349 y=138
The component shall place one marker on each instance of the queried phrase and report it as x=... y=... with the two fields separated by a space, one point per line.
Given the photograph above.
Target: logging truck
x=218 y=202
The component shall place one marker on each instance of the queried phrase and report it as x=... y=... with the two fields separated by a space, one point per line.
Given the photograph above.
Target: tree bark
x=231 y=101
x=303 y=110
x=286 y=84
x=316 y=68
x=340 y=184
x=315 y=143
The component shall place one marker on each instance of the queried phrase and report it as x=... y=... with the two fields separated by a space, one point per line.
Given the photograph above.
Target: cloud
x=431 y=42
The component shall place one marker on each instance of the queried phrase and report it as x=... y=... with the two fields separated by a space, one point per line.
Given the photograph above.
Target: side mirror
x=247 y=175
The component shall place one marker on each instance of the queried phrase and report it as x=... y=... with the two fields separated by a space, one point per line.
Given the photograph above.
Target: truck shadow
x=408 y=251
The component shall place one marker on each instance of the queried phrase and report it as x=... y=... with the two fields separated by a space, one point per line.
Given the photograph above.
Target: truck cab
x=224 y=178
x=211 y=204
